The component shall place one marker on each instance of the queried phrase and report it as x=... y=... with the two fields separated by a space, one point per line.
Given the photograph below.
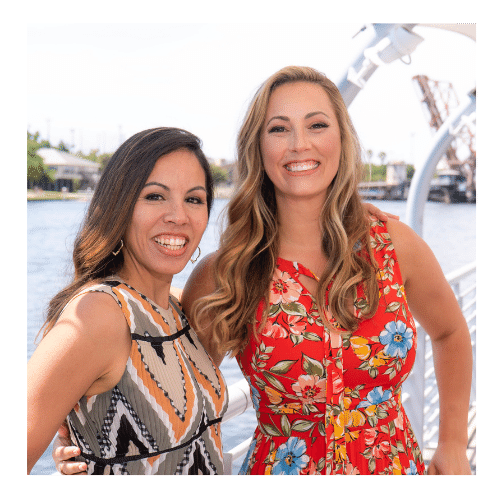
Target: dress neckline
x=297 y=267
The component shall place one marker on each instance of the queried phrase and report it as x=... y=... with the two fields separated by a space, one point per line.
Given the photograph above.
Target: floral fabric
x=329 y=402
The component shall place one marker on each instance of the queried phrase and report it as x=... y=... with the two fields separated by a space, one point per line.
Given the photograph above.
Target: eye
x=319 y=125
x=153 y=197
x=276 y=129
x=195 y=200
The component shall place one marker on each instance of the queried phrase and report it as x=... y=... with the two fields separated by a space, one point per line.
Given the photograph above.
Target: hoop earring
x=198 y=256
x=118 y=251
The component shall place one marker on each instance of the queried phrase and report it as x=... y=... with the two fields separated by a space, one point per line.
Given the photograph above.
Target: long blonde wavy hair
x=249 y=246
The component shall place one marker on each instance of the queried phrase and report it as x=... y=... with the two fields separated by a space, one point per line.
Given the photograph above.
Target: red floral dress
x=329 y=402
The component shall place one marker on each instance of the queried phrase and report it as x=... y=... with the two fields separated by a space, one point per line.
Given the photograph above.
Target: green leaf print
x=312 y=336
x=294 y=309
x=285 y=426
x=393 y=307
x=274 y=381
x=271 y=430
x=302 y=425
x=312 y=367
x=283 y=366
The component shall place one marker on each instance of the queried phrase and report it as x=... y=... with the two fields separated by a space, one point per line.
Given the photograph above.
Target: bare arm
x=434 y=306
x=201 y=283
x=81 y=355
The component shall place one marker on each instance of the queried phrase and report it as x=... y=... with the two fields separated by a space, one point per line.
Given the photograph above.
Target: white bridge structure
x=391 y=42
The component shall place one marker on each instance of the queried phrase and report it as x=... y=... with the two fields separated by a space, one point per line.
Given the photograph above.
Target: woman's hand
x=449 y=460
x=63 y=451
x=375 y=213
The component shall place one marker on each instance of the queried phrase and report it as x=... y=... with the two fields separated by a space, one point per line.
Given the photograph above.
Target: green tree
x=36 y=167
x=219 y=174
x=38 y=172
x=62 y=147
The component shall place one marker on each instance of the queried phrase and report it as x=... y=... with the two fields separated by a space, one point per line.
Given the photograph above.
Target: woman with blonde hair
x=315 y=302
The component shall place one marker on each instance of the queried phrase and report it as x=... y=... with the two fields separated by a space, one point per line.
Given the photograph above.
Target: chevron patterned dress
x=164 y=415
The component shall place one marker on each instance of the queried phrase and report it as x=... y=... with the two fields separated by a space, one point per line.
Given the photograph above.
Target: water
x=450 y=231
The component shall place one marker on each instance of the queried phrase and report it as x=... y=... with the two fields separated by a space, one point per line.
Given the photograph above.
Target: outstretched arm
x=434 y=306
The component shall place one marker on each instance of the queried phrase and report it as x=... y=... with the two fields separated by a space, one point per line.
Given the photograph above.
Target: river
x=450 y=231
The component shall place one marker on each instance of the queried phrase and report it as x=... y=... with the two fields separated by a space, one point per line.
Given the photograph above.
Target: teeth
x=300 y=167
x=171 y=243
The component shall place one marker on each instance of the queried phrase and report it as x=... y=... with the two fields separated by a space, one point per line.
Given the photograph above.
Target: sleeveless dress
x=329 y=402
x=164 y=415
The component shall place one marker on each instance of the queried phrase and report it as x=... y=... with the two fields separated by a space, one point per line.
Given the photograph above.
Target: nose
x=299 y=140
x=175 y=212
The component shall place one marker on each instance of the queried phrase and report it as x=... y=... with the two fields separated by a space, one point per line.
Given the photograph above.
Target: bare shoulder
x=415 y=257
x=95 y=314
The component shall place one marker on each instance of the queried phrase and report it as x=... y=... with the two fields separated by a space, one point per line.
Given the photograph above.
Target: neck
x=299 y=227
x=155 y=288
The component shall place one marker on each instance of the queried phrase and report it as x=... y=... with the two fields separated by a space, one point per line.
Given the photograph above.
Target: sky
x=93 y=85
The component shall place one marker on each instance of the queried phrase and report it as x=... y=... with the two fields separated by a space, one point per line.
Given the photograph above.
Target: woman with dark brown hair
x=140 y=393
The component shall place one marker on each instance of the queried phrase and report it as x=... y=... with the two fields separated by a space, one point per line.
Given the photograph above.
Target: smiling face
x=168 y=220
x=300 y=141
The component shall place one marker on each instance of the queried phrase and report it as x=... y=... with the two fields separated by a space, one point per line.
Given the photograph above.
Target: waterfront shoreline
x=221 y=192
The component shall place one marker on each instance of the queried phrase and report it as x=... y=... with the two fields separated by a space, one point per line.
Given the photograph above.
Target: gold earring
x=198 y=256
x=118 y=251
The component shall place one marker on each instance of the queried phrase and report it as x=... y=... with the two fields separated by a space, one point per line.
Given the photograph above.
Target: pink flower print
x=284 y=324
x=310 y=389
x=284 y=289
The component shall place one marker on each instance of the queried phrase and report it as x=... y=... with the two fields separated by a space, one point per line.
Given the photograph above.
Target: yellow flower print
x=355 y=418
x=396 y=466
x=274 y=396
x=361 y=347
x=269 y=467
x=380 y=359
x=339 y=425
x=340 y=453
x=351 y=436
x=370 y=410
x=290 y=407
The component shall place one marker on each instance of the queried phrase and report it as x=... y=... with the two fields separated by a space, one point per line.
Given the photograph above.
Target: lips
x=301 y=166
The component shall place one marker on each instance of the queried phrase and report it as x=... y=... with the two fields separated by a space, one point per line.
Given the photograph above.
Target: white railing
x=421 y=398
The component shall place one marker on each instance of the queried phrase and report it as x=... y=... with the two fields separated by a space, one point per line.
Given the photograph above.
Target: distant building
x=396 y=173
x=70 y=171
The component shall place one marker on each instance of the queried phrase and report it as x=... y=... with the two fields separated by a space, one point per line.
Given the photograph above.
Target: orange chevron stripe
x=216 y=399
x=178 y=426
x=123 y=302
x=156 y=317
x=177 y=319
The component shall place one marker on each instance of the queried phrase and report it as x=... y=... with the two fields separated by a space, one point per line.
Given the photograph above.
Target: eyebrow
x=166 y=188
x=309 y=115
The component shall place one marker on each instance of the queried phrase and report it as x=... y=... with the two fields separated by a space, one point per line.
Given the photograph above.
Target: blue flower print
x=412 y=470
x=397 y=338
x=290 y=457
x=244 y=465
x=255 y=397
x=375 y=397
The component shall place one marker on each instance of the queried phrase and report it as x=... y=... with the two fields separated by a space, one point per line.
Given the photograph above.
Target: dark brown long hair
x=111 y=207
